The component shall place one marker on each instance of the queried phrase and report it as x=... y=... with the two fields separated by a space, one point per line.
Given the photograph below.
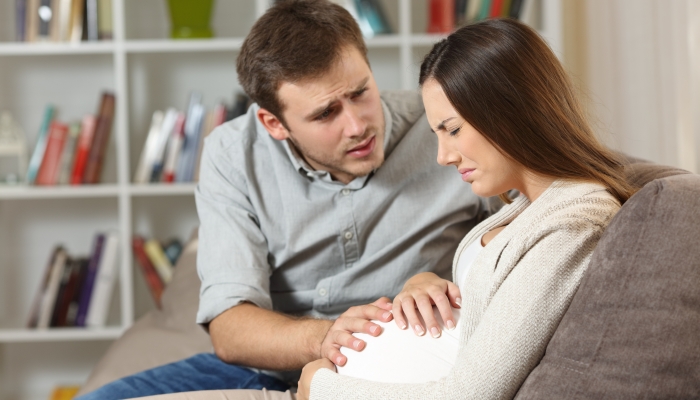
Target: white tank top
x=399 y=356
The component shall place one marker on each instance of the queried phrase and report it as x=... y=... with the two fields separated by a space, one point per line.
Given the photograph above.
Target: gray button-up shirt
x=280 y=235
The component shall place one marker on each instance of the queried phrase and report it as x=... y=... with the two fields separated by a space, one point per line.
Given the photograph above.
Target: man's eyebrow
x=320 y=109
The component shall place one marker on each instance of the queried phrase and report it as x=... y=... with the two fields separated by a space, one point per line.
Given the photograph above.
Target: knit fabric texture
x=518 y=290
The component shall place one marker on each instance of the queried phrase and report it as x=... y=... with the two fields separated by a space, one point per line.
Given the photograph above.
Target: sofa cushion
x=161 y=336
x=633 y=326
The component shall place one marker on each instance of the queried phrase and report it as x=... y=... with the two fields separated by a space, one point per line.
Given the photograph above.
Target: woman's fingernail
x=458 y=300
x=338 y=360
x=402 y=325
x=357 y=344
x=450 y=324
x=386 y=315
x=435 y=332
x=419 y=330
x=374 y=329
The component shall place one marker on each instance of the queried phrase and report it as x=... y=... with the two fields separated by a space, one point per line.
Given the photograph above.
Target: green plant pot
x=190 y=18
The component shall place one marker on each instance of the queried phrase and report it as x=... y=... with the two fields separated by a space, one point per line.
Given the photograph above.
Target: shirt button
x=322 y=292
x=348 y=235
x=345 y=192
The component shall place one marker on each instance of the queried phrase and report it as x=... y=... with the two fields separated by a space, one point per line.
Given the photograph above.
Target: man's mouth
x=363 y=149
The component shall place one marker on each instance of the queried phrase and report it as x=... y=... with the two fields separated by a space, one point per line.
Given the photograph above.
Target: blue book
x=193 y=127
x=89 y=283
x=42 y=138
x=20 y=19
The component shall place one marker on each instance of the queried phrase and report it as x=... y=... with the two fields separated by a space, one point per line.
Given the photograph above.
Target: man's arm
x=259 y=338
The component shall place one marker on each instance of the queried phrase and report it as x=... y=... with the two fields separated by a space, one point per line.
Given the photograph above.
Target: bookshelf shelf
x=41 y=49
x=58 y=335
x=172 y=46
x=163 y=189
x=147 y=72
x=21 y=192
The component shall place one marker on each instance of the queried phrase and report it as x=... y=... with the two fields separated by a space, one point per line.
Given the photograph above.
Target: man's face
x=336 y=120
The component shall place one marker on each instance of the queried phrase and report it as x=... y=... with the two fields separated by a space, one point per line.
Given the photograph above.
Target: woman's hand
x=355 y=319
x=307 y=373
x=421 y=292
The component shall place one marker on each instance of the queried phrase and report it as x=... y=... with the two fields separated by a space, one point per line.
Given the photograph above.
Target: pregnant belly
x=399 y=356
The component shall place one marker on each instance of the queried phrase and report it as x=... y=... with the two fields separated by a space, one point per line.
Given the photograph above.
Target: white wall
x=639 y=60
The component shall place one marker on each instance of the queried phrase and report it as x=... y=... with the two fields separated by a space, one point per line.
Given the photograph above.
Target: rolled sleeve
x=232 y=255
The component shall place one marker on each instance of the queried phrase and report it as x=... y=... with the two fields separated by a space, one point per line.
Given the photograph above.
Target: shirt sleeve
x=510 y=338
x=232 y=255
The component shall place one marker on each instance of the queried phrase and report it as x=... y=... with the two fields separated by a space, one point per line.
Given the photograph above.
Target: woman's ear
x=272 y=124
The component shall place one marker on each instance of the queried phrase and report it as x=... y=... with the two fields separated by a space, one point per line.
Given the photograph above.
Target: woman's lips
x=364 y=149
x=465 y=172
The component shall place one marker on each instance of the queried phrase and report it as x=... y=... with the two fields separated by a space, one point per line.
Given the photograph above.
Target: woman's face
x=462 y=146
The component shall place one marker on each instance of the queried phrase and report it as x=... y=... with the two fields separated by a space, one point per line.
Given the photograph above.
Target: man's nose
x=355 y=125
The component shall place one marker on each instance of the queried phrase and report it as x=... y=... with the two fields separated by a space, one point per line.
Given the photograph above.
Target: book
x=36 y=304
x=373 y=17
x=74 y=297
x=172 y=250
x=473 y=8
x=63 y=20
x=155 y=254
x=82 y=151
x=441 y=18
x=177 y=138
x=68 y=156
x=158 y=159
x=48 y=299
x=45 y=13
x=104 y=283
x=496 y=8
x=484 y=10
x=75 y=23
x=155 y=283
x=461 y=12
x=31 y=23
x=40 y=148
x=60 y=296
x=20 y=19
x=100 y=140
x=105 y=29
x=89 y=282
x=90 y=28
x=145 y=167
x=193 y=129
x=49 y=169
x=516 y=7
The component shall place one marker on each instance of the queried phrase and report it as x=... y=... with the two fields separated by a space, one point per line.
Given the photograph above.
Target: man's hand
x=355 y=319
x=421 y=292
x=307 y=374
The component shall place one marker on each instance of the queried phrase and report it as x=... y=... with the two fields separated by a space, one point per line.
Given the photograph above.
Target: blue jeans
x=201 y=372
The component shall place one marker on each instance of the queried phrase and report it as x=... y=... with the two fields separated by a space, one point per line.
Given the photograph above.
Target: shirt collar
x=305 y=169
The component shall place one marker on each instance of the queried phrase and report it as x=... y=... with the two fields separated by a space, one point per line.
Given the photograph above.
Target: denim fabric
x=201 y=372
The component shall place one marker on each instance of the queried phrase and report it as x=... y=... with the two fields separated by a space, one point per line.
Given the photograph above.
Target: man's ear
x=272 y=124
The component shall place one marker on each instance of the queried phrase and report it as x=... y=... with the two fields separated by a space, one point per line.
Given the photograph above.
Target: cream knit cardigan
x=519 y=288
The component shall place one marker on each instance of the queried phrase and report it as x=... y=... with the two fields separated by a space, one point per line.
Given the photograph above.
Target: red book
x=496 y=8
x=83 y=149
x=149 y=271
x=442 y=16
x=49 y=170
x=103 y=130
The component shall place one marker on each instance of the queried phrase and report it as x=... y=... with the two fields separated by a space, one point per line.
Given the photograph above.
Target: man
x=324 y=196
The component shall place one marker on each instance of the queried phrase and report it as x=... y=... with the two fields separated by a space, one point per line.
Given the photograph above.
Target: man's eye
x=324 y=115
x=359 y=92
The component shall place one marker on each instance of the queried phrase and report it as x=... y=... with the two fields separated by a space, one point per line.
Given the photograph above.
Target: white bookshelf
x=147 y=71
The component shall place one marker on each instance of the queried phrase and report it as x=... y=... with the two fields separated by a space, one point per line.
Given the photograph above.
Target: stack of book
x=63 y=20
x=71 y=153
x=156 y=262
x=446 y=15
x=76 y=291
x=174 y=143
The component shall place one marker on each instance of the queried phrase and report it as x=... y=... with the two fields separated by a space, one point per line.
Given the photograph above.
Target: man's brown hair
x=294 y=40
x=501 y=77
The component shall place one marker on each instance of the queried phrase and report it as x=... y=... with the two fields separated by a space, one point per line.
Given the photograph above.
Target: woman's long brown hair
x=503 y=79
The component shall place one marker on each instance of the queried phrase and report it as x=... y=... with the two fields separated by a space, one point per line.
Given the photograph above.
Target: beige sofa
x=632 y=331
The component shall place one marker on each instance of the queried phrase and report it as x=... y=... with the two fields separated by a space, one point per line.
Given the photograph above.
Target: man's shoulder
x=405 y=106
x=238 y=136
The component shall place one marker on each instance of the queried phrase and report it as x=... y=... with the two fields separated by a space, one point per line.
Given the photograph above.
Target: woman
x=506 y=116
